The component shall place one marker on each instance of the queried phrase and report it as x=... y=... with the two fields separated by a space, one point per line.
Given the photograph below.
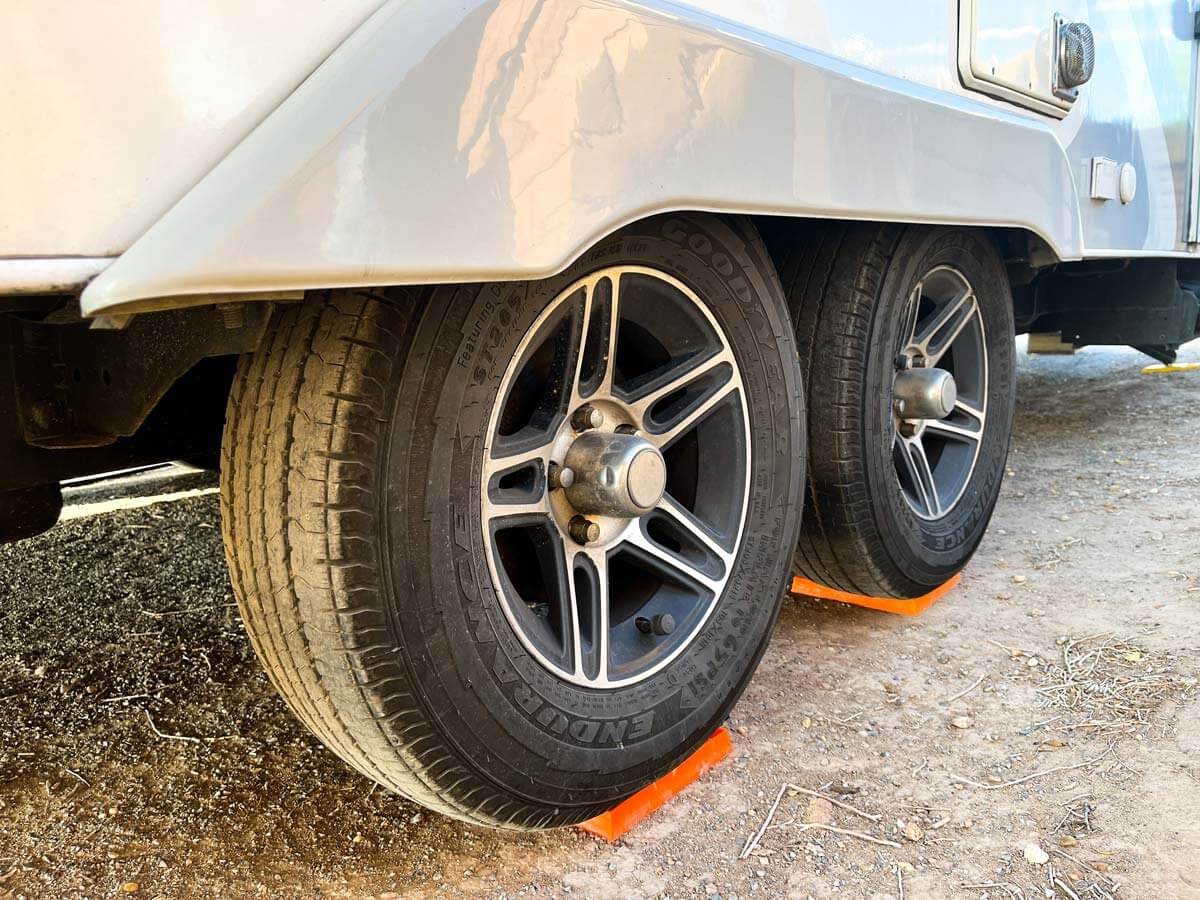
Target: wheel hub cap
x=925 y=394
x=619 y=475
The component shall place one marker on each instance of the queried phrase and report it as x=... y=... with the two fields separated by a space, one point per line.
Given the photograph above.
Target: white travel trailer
x=541 y=339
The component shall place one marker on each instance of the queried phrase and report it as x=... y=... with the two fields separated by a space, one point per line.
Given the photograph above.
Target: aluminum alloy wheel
x=615 y=477
x=935 y=448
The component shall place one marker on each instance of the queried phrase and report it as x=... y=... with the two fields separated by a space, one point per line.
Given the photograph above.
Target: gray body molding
x=472 y=141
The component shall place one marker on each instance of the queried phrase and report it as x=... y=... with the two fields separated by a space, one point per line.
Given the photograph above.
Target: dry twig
x=813 y=826
x=974 y=684
x=1016 y=781
x=169 y=737
x=846 y=806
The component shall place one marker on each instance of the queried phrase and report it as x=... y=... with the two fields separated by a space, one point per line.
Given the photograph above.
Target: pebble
x=130 y=887
x=962 y=722
x=1036 y=855
x=1068 y=841
x=914 y=832
x=1019 y=579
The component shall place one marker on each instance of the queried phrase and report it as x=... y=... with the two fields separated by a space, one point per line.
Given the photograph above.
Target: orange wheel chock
x=617 y=822
x=913 y=607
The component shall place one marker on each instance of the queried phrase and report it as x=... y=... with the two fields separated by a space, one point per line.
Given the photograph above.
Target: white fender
x=481 y=140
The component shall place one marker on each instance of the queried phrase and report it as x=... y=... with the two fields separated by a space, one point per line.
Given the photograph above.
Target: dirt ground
x=1050 y=701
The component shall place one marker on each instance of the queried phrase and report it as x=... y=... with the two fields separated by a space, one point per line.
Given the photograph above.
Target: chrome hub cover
x=620 y=475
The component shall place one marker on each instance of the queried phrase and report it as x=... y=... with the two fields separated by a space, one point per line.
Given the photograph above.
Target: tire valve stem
x=583 y=531
x=661 y=625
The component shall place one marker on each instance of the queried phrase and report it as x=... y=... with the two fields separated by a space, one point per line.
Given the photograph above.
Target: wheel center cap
x=925 y=394
x=615 y=475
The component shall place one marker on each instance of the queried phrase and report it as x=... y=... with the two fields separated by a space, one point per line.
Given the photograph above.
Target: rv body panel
x=496 y=139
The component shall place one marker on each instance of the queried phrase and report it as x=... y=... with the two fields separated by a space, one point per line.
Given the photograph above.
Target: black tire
x=847 y=286
x=351 y=510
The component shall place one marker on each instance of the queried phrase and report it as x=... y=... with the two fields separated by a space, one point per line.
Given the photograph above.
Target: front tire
x=899 y=498
x=407 y=553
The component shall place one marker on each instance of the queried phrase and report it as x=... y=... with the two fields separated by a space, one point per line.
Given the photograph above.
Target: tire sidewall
x=929 y=552
x=552 y=742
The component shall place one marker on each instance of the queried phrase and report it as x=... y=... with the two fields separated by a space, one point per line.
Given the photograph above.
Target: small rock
x=1067 y=841
x=1033 y=662
x=914 y=832
x=1100 y=866
x=1019 y=579
x=1036 y=855
x=130 y=887
x=807 y=723
x=742 y=729
x=819 y=812
x=962 y=722
x=907 y=868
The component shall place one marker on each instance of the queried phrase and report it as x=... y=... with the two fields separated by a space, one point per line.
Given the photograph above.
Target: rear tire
x=354 y=477
x=869 y=527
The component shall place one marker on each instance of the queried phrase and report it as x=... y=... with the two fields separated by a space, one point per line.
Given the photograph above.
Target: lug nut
x=903 y=362
x=898 y=406
x=661 y=624
x=920 y=362
x=583 y=531
x=561 y=476
x=587 y=417
x=908 y=429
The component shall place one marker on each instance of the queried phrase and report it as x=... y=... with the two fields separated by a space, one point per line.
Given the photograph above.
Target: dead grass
x=1107 y=685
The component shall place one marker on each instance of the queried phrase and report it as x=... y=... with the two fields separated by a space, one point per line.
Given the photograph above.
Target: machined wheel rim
x=939 y=393
x=615 y=477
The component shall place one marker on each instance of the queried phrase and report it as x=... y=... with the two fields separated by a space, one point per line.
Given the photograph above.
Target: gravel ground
x=1038 y=731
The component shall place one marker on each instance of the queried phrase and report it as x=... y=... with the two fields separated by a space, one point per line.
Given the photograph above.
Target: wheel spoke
x=916 y=463
x=637 y=537
x=511 y=503
x=973 y=412
x=677 y=379
x=591 y=667
x=943 y=328
x=692 y=415
x=495 y=465
x=515 y=510
x=947 y=429
x=689 y=523
x=601 y=292
x=908 y=330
